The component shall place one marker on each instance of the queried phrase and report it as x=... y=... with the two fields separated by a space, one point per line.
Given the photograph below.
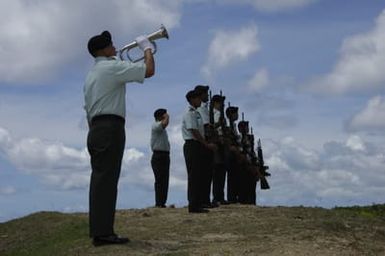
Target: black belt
x=161 y=152
x=192 y=141
x=108 y=117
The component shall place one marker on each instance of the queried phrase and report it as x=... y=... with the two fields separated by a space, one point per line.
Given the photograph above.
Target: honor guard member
x=105 y=106
x=203 y=109
x=248 y=181
x=208 y=158
x=219 y=175
x=233 y=176
x=194 y=150
x=160 y=160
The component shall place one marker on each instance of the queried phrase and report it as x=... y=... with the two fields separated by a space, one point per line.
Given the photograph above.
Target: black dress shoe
x=198 y=210
x=215 y=204
x=106 y=240
x=210 y=205
x=224 y=202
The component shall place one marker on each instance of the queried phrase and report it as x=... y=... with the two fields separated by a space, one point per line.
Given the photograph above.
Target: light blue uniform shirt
x=203 y=110
x=159 y=137
x=217 y=116
x=192 y=120
x=104 y=88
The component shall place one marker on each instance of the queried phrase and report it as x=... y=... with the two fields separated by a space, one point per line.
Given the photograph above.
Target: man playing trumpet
x=105 y=105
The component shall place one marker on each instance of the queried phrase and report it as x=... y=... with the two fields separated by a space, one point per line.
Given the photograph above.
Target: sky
x=307 y=74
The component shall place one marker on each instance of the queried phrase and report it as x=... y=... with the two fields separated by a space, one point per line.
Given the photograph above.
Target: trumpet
x=160 y=33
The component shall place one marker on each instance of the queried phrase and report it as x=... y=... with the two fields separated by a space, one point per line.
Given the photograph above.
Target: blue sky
x=308 y=74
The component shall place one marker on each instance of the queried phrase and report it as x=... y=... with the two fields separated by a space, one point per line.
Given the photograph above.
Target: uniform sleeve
x=126 y=71
x=191 y=121
x=157 y=127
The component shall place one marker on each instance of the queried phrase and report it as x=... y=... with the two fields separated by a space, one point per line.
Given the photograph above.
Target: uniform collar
x=101 y=58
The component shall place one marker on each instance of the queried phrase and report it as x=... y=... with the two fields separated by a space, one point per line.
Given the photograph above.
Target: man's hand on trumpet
x=144 y=43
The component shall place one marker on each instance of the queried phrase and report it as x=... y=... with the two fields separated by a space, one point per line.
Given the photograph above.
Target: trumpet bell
x=160 y=33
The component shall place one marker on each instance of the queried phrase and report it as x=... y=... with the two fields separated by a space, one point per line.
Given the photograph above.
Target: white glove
x=144 y=43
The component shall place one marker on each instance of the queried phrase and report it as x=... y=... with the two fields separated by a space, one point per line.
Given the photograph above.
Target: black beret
x=192 y=94
x=99 y=42
x=202 y=88
x=243 y=125
x=231 y=110
x=218 y=98
x=159 y=113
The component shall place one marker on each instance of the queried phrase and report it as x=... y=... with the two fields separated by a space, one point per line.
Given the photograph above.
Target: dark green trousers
x=194 y=154
x=160 y=163
x=105 y=142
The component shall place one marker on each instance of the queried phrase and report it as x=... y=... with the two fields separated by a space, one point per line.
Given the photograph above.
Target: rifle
x=211 y=109
x=210 y=131
x=222 y=118
x=231 y=134
x=218 y=126
x=259 y=162
x=255 y=160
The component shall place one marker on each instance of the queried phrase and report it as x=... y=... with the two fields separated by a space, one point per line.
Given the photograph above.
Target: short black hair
x=192 y=94
x=218 y=98
x=159 y=113
x=200 y=89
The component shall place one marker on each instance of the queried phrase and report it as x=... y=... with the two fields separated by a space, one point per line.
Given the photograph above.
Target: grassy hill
x=228 y=230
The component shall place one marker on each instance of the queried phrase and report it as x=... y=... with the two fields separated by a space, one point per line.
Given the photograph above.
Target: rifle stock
x=264 y=183
x=263 y=167
x=257 y=161
x=210 y=131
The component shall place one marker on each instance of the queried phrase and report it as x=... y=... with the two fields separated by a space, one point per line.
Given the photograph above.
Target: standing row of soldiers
x=213 y=149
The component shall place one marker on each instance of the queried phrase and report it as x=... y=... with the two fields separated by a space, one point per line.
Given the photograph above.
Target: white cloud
x=175 y=135
x=57 y=165
x=264 y=5
x=371 y=118
x=349 y=172
x=360 y=66
x=229 y=47
x=343 y=172
x=40 y=37
x=69 y=168
x=278 y=5
x=355 y=142
x=34 y=155
x=5 y=139
x=260 y=80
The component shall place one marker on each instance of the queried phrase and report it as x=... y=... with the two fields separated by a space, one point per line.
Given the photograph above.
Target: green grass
x=45 y=233
x=373 y=211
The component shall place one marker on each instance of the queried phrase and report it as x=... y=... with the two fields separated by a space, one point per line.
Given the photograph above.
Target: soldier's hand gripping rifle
x=222 y=119
x=231 y=136
x=217 y=120
x=211 y=132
